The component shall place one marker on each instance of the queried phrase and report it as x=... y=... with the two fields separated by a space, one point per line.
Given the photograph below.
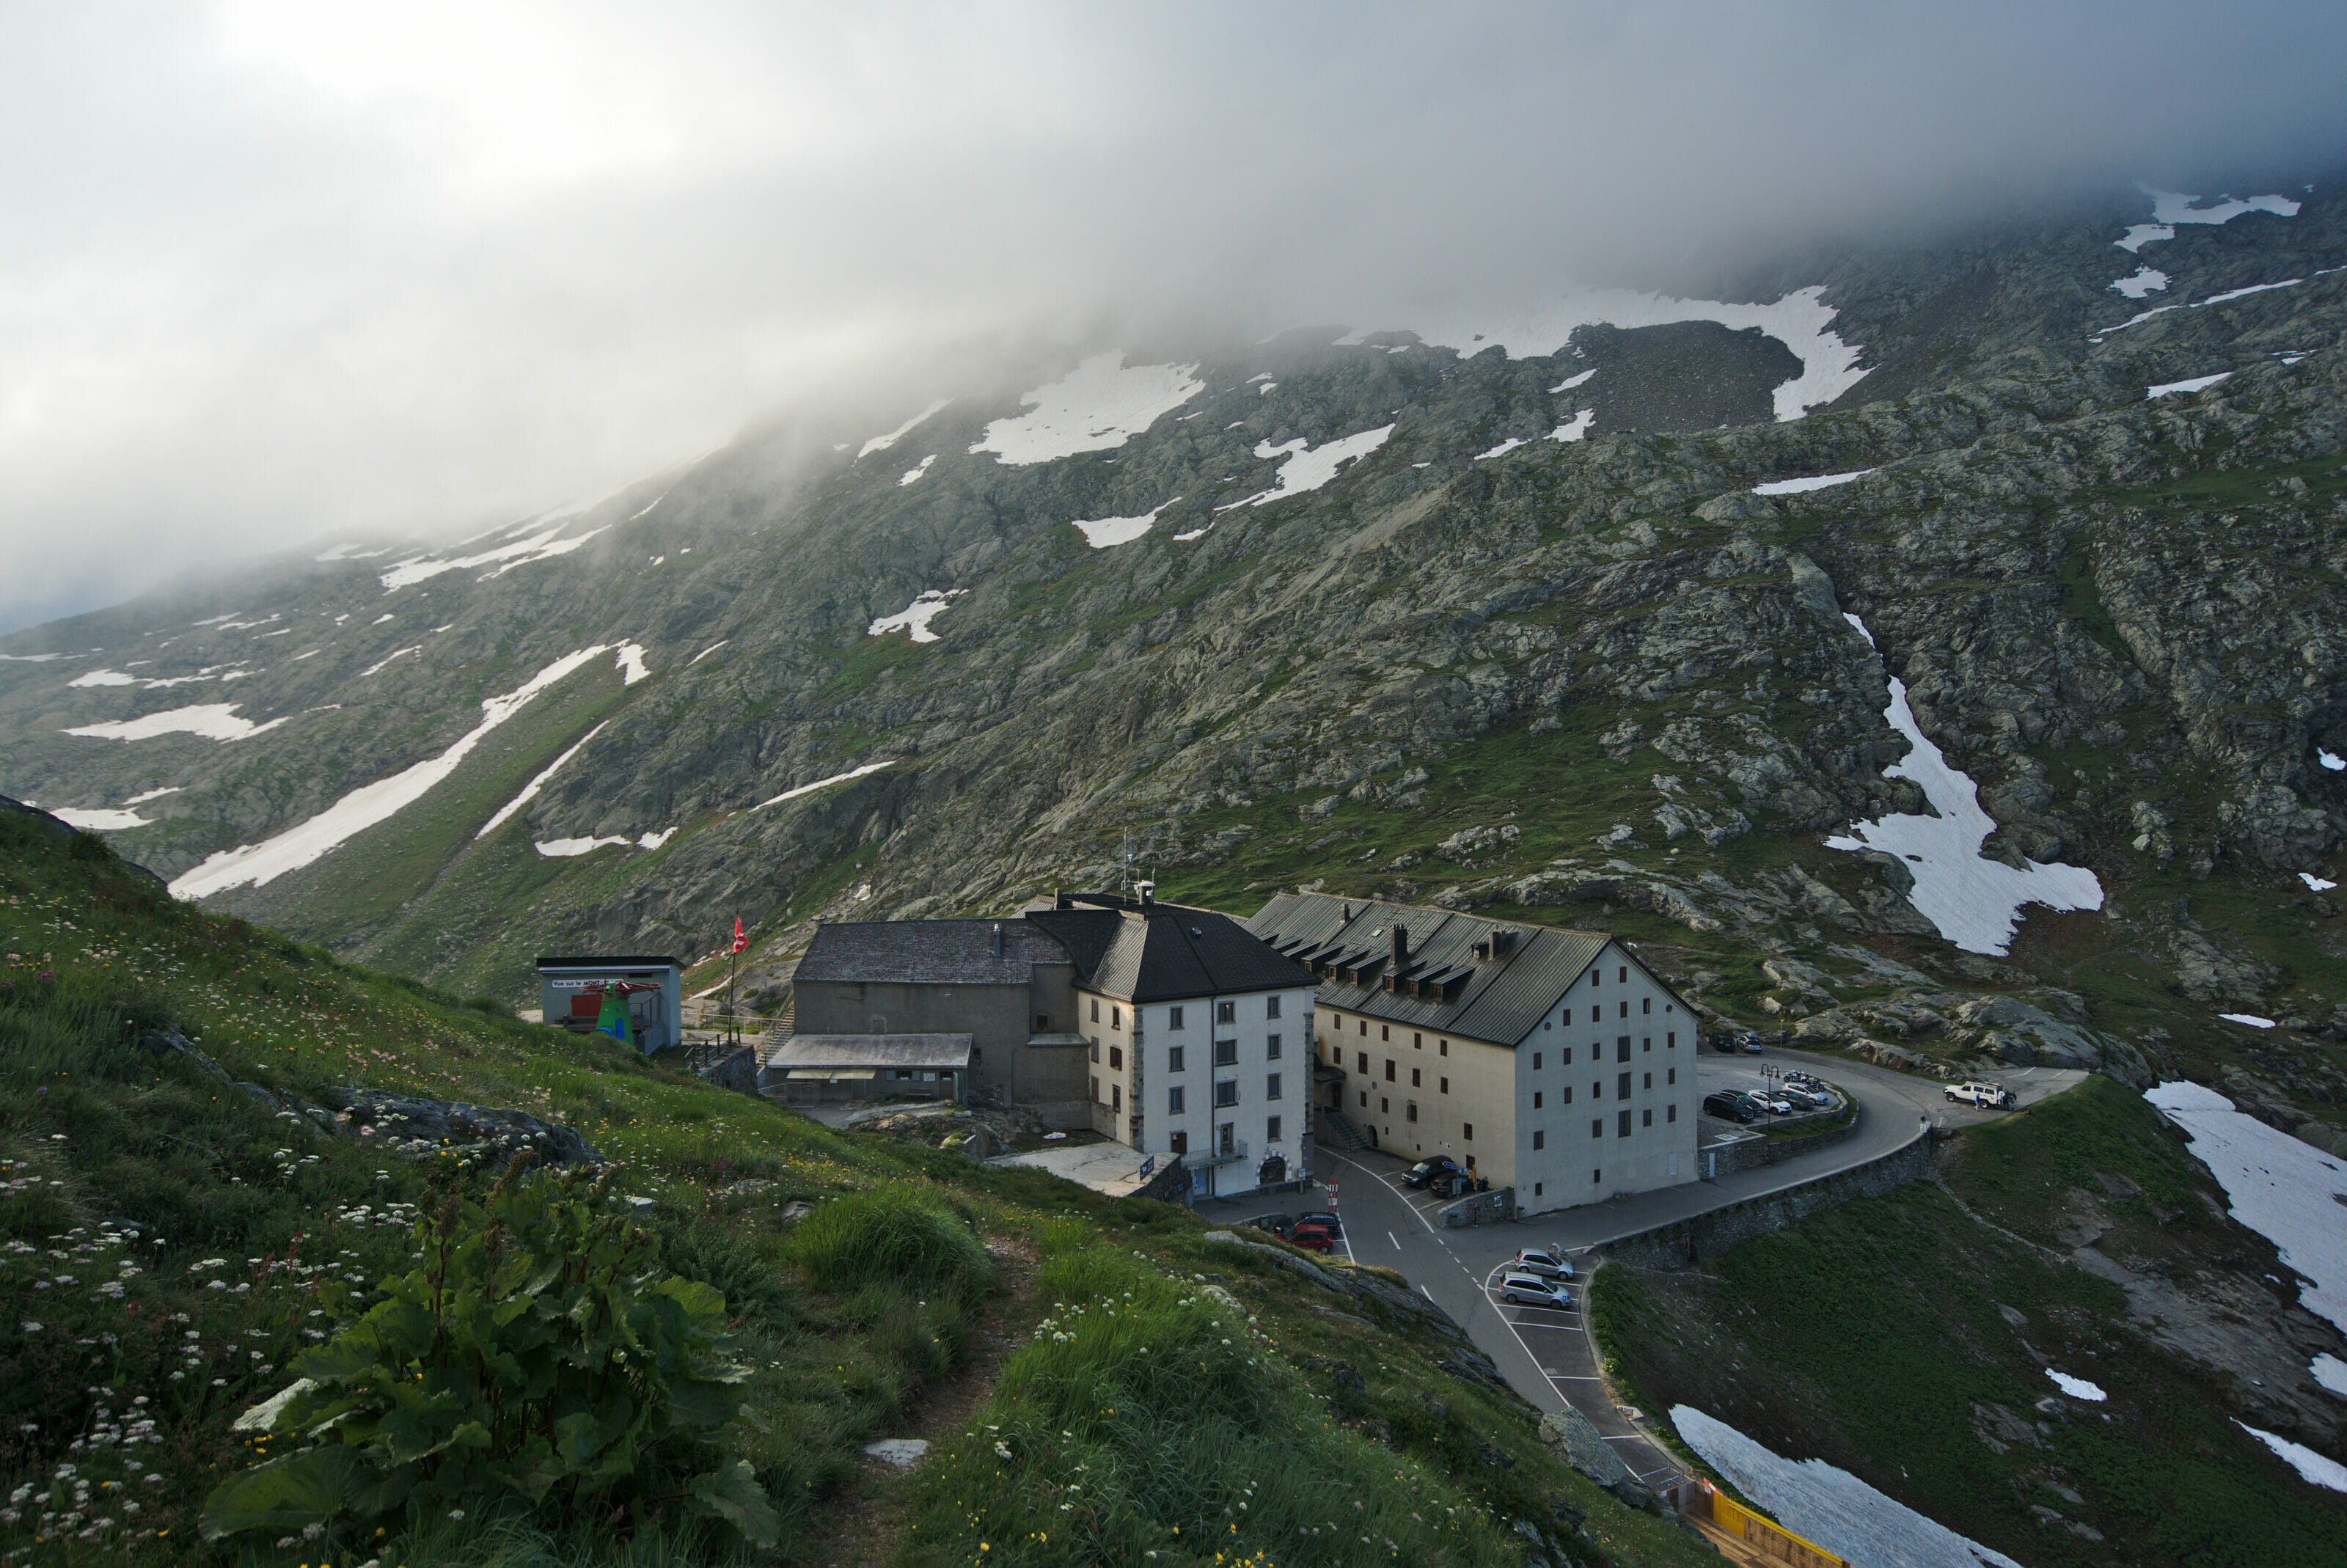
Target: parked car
x=1751 y=1044
x=1983 y=1093
x=1728 y=1107
x=1816 y=1094
x=1312 y=1238
x=1325 y=1219
x=1277 y=1224
x=1531 y=1290
x=1549 y=1263
x=1426 y=1171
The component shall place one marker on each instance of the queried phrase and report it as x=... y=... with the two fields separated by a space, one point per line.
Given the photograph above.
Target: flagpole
x=733 y=965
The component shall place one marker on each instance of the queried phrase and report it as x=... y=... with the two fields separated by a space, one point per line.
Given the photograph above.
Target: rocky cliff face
x=1515 y=625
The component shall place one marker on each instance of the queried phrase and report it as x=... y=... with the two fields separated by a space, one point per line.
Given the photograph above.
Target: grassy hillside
x=1102 y=1384
x=1906 y=1338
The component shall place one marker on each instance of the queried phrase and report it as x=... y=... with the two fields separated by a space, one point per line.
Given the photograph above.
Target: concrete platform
x=1110 y=1168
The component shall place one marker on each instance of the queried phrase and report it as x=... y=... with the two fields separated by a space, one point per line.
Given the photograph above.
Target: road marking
x=1571 y=1378
x=1428 y=1294
x=1395 y=1239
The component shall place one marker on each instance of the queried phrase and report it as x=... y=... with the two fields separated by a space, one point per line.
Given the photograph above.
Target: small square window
x=1365 y=1100
x=1385 y=1106
x=1626 y=974
x=1626 y=1009
x=1389 y=1070
x=1271 y=1086
x=1537 y=1098
x=1385 y=1031
x=1646 y=1118
x=1173 y=1101
x=1042 y=1023
x=1362 y=1057
x=1597 y=1126
x=1095 y=1050
x=1226 y=1012
x=1271 y=1048
x=1116 y=1096
x=1271 y=1130
x=1271 y=1006
x=1095 y=1090
x=1595 y=1177
x=1116 y=1056
x=1418 y=1042
x=1645 y=1042
x=1096 y=1010
x=1226 y=1092
x=1445 y=1046
x=1536 y=1189
x=1444 y=1084
x=1362 y=1024
x=1647 y=1082
x=1536 y=1061
x=1409 y=1111
x=1671 y=1041
x=1623 y=1130
x=1414 y=1080
x=1620 y=1086
x=1174 y=1059
x=1621 y=1048
x=1568 y=1094
x=1671 y=1075
x=1226 y=1053
x=1564 y=1058
x=1467 y=1132
x=1646 y=1004
x=1670 y=1113
x=1116 y=1018
x=1173 y=1018
x=1540 y=1140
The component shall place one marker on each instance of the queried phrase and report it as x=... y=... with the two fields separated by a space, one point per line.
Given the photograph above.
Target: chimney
x=1148 y=891
x=997 y=938
x=1346 y=912
x=1400 y=948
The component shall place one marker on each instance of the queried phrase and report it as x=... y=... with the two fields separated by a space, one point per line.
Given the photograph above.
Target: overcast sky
x=275 y=271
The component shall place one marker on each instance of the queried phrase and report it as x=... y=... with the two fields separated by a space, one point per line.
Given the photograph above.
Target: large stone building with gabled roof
x=1169 y=1028
x=1552 y=1061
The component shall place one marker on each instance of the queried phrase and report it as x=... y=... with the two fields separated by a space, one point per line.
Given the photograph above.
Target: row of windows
x=1597 y=1088
x=1226 y=1053
x=1409 y=1113
x=1621 y=1124
x=1224 y=1012
x=1226 y=1092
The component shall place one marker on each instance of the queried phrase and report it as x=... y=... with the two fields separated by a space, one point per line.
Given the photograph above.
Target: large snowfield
x=2287 y=1191
x=1304 y=466
x=213 y=721
x=1800 y=321
x=1828 y=1505
x=1098 y=406
x=1975 y=902
x=916 y=617
x=264 y=862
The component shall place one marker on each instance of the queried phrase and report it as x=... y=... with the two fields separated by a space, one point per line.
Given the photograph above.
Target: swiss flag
x=740 y=941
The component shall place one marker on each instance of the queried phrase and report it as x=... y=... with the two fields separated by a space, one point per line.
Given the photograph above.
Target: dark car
x=1277 y=1224
x=1728 y=1108
x=1326 y=1220
x=1426 y=1171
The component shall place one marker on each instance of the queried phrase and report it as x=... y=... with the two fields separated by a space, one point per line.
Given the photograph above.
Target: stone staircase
x=1339 y=1129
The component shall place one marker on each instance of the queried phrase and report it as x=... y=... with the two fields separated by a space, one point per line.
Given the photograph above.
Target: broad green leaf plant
x=538 y=1355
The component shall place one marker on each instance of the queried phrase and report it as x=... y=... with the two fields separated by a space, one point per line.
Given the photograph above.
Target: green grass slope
x=1102 y=1384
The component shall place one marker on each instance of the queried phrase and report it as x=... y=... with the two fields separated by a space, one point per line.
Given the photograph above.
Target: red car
x=1312 y=1238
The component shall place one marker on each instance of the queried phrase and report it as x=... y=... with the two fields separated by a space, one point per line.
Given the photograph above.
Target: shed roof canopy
x=835 y=1052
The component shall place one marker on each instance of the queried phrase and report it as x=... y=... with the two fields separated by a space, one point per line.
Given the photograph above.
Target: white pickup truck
x=1981 y=1092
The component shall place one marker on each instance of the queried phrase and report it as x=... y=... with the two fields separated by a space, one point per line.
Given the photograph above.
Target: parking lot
x=1756 y=1075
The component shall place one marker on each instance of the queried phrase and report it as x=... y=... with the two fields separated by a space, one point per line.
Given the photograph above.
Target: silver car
x=1531 y=1290
x=1542 y=1262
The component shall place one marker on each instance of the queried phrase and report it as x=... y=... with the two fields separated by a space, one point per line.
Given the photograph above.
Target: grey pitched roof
x=928 y=952
x=1497 y=999
x=933 y=1053
x=1155 y=952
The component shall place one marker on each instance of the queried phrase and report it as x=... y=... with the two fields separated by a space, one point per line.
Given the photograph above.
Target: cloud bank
x=273 y=272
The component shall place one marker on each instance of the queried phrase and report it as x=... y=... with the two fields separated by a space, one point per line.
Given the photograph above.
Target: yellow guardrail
x=1763 y=1535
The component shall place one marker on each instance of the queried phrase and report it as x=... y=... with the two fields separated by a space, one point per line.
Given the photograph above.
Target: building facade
x=1552 y=1061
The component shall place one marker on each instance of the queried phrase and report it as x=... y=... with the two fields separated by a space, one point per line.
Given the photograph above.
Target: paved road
x=1545 y=1354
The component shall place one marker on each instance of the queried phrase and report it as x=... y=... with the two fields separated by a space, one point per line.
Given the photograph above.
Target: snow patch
x=1570 y=381
x=1573 y=429
x=916 y=470
x=915 y=618
x=2138 y=235
x=2141 y=281
x=2076 y=1387
x=647 y=506
x=37 y=658
x=263 y=861
x=529 y=791
x=2314 y=1467
x=1974 y=901
x=630 y=663
x=2330 y=1371
x=544 y=544
x=102 y=677
x=386 y=659
x=824 y=783
x=1800 y=321
x=350 y=552
x=1303 y=467
x=213 y=721
x=1100 y=404
x=1100 y=533
x=2194 y=384
x=145 y=797
x=2280 y=1187
x=563 y=848
x=2331 y=760
x=654 y=840
x=1502 y=449
x=1828 y=1505
x=97 y=820
x=2169 y=208
x=2250 y=1018
x=2318 y=883
x=882 y=443
x=707 y=651
x=1814 y=482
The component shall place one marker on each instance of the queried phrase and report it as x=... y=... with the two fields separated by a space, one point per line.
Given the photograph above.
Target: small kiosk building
x=570 y=995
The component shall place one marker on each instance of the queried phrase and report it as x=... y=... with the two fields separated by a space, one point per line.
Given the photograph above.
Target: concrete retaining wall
x=1753 y=1154
x=1668 y=1246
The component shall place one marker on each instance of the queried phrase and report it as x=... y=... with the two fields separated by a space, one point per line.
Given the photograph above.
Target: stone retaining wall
x=1754 y=1153
x=1666 y=1246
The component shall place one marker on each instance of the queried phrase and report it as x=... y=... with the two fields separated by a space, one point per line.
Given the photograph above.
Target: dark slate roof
x=1156 y=952
x=1503 y=997
x=928 y=952
x=932 y=1052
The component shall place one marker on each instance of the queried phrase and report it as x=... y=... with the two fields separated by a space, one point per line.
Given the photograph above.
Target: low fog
x=273 y=272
